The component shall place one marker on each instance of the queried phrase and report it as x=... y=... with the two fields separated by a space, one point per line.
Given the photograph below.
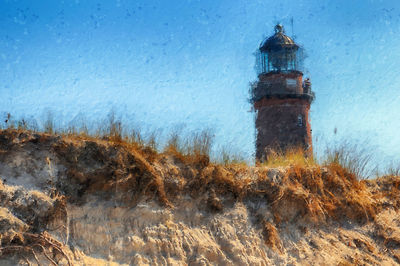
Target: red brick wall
x=278 y=83
x=278 y=126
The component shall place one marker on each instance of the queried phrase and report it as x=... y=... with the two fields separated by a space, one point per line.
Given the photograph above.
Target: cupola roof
x=277 y=41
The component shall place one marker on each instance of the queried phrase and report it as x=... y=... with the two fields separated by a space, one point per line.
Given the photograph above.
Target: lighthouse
x=281 y=97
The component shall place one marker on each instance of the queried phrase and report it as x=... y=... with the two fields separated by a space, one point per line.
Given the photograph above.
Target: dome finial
x=279 y=28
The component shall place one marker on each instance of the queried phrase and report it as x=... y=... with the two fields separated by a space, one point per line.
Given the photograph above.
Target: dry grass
x=387 y=190
x=392 y=170
x=356 y=158
x=307 y=190
x=189 y=147
x=319 y=194
x=271 y=237
x=227 y=156
x=197 y=146
x=193 y=149
x=295 y=156
x=49 y=124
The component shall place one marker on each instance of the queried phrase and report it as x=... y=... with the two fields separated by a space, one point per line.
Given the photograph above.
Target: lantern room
x=279 y=54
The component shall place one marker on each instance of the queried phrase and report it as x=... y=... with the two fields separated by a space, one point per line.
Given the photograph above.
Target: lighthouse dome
x=278 y=41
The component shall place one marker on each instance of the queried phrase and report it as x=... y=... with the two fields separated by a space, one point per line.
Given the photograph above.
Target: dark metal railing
x=257 y=94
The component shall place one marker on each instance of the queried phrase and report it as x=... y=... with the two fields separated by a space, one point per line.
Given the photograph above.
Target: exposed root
x=44 y=241
x=46 y=255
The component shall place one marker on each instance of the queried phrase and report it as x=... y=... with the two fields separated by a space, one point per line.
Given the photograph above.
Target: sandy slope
x=91 y=202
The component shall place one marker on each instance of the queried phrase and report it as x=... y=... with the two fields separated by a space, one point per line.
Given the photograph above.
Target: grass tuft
x=353 y=157
x=228 y=156
x=392 y=170
x=194 y=148
x=49 y=124
x=295 y=156
x=114 y=129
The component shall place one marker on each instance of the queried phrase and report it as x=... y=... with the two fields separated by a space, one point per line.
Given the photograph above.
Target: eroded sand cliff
x=84 y=201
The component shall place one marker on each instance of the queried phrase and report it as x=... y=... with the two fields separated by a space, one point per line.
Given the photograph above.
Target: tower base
x=282 y=124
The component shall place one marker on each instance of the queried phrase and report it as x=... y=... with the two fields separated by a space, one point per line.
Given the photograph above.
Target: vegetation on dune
x=308 y=190
x=351 y=156
x=295 y=156
x=189 y=146
x=132 y=167
x=199 y=146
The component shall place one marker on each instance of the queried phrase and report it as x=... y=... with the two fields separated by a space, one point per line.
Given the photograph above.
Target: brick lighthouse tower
x=280 y=96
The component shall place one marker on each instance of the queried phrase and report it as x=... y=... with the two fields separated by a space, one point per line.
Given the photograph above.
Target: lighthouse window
x=300 y=120
x=291 y=82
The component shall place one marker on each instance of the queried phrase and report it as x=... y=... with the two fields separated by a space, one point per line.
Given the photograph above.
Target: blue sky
x=163 y=64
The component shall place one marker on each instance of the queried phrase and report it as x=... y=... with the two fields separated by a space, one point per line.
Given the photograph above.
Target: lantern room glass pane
x=279 y=61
